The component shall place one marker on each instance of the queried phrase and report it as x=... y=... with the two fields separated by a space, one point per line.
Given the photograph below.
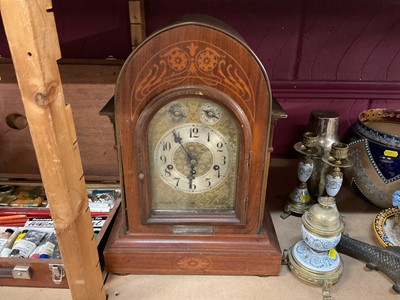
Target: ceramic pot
x=375 y=148
x=319 y=243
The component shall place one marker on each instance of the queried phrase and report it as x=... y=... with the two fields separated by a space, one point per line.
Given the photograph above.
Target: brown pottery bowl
x=375 y=148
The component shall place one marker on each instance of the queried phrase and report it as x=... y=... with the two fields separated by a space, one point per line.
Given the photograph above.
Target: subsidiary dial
x=177 y=112
x=210 y=113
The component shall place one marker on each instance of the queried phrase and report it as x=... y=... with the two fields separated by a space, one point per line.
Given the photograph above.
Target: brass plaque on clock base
x=197 y=253
x=194 y=124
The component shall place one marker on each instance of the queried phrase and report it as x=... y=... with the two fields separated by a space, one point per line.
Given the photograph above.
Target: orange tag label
x=390 y=153
x=332 y=253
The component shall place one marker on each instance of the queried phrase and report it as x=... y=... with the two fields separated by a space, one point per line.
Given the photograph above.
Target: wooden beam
x=137 y=20
x=32 y=37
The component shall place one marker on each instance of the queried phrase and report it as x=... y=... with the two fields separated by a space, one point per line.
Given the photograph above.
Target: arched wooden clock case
x=193 y=126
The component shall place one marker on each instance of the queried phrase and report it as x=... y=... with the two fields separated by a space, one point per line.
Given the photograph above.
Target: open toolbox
x=29 y=253
x=88 y=87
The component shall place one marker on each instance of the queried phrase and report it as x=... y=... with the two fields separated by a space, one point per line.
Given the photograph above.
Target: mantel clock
x=194 y=124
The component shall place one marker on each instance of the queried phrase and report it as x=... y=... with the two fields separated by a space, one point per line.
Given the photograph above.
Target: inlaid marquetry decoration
x=195 y=60
x=193 y=263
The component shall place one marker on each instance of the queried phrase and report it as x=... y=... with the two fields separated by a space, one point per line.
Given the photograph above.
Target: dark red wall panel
x=341 y=55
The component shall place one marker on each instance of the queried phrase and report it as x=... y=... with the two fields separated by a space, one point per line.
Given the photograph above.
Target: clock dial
x=192 y=158
x=194 y=161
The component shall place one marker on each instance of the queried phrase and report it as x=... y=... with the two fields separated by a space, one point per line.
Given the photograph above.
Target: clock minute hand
x=178 y=139
x=191 y=159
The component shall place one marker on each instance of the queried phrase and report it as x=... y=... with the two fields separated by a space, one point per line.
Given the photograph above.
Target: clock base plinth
x=232 y=254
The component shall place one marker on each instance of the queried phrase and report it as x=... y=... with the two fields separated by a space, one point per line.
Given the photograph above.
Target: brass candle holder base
x=296 y=207
x=314 y=258
x=324 y=279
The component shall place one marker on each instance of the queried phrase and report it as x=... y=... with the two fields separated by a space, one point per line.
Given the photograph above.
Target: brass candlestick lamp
x=314 y=258
x=337 y=160
x=299 y=199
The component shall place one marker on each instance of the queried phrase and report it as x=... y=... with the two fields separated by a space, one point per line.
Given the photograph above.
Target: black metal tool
x=385 y=260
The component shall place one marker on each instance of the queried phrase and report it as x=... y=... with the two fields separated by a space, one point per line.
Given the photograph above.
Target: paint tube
x=4 y=236
x=46 y=247
x=56 y=252
x=5 y=252
x=25 y=246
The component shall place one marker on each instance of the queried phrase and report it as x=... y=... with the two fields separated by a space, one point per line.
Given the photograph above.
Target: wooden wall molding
x=336 y=90
x=297 y=97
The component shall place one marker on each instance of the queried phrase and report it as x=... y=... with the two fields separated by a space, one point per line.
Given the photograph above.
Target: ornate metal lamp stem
x=337 y=160
x=299 y=199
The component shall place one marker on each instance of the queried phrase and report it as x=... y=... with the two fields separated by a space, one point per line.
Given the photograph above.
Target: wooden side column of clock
x=194 y=124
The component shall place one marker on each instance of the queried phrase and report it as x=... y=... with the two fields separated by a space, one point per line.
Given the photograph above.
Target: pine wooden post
x=137 y=20
x=32 y=37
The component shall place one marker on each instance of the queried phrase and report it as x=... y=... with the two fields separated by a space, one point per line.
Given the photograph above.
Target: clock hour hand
x=191 y=176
